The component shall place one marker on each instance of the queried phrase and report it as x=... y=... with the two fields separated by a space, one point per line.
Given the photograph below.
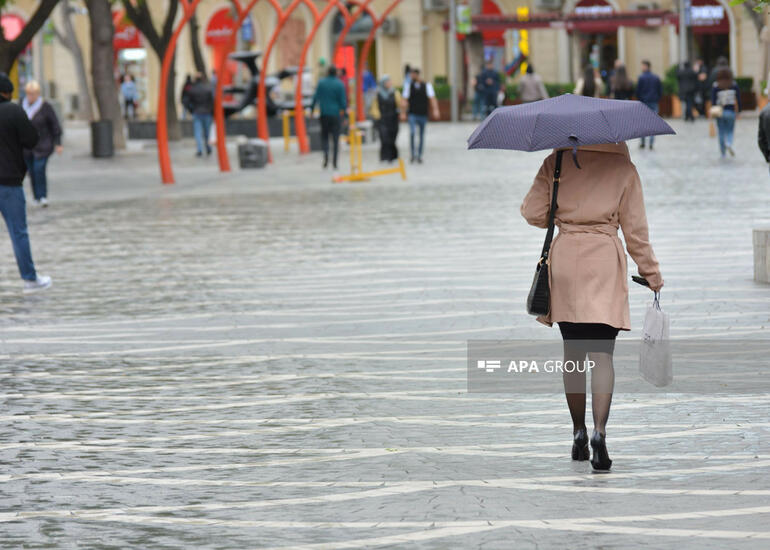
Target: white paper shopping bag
x=655 y=355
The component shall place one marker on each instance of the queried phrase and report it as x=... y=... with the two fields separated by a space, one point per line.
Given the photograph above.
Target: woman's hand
x=657 y=288
x=59 y=149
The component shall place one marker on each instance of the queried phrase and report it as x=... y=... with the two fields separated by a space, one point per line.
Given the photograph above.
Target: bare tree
x=138 y=11
x=195 y=44
x=69 y=40
x=10 y=49
x=102 y=67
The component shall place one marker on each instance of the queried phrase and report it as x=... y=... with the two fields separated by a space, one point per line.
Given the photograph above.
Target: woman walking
x=44 y=119
x=621 y=86
x=385 y=112
x=726 y=104
x=588 y=278
x=590 y=84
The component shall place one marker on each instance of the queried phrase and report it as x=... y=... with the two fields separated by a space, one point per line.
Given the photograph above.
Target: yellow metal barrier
x=287 y=139
x=355 y=138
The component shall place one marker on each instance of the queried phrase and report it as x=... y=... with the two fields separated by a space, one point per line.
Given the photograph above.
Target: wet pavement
x=268 y=360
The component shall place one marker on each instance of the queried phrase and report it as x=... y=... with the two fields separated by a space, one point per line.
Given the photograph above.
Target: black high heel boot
x=600 y=459
x=580 y=445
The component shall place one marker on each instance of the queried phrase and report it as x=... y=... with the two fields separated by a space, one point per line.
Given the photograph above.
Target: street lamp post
x=453 y=87
x=683 y=20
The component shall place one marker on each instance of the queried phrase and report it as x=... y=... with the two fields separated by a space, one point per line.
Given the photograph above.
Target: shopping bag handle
x=656 y=300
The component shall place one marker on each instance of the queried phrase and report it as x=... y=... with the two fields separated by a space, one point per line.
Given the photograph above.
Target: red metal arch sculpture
x=283 y=17
x=219 y=112
x=164 y=158
x=299 y=120
x=360 y=113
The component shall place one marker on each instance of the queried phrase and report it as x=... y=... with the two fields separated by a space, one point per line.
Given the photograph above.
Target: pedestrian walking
x=531 y=87
x=702 y=89
x=419 y=99
x=649 y=90
x=490 y=80
x=763 y=137
x=590 y=84
x=722 y=63
x=385 y=111
x=478 y=98
x=16 y=134
x=725 y=106
x=621 y=86
x=589 y=300
x=45 y=121
x=130 y=94
x=185 y=99
x=202 y=108
x=331 y=99
x=581 y=279
x=688 y=86
x=369 y=84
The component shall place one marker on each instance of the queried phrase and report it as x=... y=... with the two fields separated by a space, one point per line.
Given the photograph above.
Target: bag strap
x=554 y=206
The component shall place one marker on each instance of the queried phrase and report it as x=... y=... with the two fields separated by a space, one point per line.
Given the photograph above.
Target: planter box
x=445 y=109
x=748 y=101
x=665 y=107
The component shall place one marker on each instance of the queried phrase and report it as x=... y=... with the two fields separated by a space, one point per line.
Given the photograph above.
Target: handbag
x=716 y=111
x=539 y=298
x=655 y=362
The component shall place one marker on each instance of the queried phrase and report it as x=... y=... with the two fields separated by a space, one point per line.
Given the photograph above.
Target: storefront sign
x=12 y=25
x=221 y=28
x=707 y=15
x=463 y=19
x=127 y=36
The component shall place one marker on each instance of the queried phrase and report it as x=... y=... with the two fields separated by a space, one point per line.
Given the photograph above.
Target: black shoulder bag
x=539 y=299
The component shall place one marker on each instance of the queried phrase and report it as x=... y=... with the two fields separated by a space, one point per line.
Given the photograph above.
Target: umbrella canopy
x=566 y=121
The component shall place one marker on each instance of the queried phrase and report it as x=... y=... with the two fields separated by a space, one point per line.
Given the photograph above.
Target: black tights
x=597 y=344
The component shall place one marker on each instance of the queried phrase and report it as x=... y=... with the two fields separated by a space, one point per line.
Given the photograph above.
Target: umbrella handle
x=573 y=138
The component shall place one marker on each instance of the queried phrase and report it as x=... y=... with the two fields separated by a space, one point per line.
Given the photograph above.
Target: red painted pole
x=262 y=128
x=364 y=8
x=219 y=112
x=299 y=110
x=360 y=113
x=164 y=157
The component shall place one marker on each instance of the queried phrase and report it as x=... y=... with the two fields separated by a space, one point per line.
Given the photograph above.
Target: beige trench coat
x=587 y=264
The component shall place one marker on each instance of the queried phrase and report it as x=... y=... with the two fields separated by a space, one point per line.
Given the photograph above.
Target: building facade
x=416 y=35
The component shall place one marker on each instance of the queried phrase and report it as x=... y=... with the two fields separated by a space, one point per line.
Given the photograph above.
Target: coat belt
x=603 y=228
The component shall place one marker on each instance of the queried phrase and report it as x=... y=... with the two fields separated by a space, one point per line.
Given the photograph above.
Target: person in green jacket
x=330 y=97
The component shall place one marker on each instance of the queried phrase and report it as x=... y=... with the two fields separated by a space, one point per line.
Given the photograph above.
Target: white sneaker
x=44 y=202
x=43 y=282
x=730 y=150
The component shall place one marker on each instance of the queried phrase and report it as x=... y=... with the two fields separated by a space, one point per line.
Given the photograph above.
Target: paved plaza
x=265 y=359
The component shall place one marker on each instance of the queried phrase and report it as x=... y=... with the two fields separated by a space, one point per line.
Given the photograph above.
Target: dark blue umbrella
x=566 y=121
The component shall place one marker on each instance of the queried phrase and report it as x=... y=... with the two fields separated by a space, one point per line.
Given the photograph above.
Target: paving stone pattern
x=268 y=360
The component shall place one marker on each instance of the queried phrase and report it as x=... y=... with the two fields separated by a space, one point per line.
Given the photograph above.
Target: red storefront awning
x=589 y=23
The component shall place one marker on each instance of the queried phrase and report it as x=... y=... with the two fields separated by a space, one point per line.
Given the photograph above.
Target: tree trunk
x=102 y=68
x=70 y=41
x=140 y=16
x=195 y=43
x=9 y=51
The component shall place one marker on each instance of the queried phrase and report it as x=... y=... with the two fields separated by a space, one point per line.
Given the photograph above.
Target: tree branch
x=34 y=24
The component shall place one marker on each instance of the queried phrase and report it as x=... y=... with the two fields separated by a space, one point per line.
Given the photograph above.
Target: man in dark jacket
x=331 y=98
x=649 y=90
x=764 y=132
x=201 y=98
x=688 y=85
x=490 y=78
x=16 y=134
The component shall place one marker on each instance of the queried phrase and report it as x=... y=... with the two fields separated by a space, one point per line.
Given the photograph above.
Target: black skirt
x=602 y=336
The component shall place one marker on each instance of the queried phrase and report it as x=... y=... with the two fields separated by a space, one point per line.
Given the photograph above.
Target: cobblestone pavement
x=267 y=360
